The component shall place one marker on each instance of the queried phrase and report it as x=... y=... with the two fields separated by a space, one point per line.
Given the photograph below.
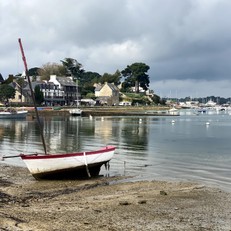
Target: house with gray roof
x=57 y=91
x=65 y=89
x=20 y=93
x=108 y=94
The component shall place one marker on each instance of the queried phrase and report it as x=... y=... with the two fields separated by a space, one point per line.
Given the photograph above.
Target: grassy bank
x=106 y=111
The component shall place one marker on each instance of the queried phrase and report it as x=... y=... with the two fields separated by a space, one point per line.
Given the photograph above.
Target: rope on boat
x=87 y=169
x=107 y=166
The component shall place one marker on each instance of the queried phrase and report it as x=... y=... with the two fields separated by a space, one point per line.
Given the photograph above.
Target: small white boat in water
x=173 y=111
x=75 y=112
x=10 y=113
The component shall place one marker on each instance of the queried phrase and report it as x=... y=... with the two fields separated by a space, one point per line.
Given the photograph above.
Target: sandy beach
x=106 y=203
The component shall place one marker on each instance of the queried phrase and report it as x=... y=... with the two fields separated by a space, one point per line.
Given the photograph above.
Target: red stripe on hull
x=54 y=156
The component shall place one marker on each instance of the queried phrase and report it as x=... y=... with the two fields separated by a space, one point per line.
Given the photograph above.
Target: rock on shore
x=107 y=204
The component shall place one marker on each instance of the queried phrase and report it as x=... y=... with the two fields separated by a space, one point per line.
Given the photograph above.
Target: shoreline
x=106 y=111
x=107 y=203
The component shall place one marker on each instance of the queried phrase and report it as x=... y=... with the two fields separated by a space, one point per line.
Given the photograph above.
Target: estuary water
x=188 y=147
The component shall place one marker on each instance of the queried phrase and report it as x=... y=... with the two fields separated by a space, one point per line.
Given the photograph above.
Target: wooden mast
x=32 y=95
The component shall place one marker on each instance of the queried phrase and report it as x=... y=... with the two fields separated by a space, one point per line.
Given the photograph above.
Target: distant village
x=64 y=91
x=68 y=84
x=191 y=103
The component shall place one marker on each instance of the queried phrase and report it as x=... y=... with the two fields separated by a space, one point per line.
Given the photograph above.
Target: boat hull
x=75 y=112
x=13 y=115
x=65 y=166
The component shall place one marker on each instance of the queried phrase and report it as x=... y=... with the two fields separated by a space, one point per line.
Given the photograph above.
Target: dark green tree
x=111 y=78
x=74 y=68
x=90 y=77
x=6 y=92
x=39 y=98
x=88 y=80
x=34 y=71
x=8 y=80
x=156 y=99
x=1 y=78
x=136 y=76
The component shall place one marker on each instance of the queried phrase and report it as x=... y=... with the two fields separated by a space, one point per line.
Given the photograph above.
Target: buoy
x=90 y=117
x=207 y=123
x=140 y=121
x=173 y=121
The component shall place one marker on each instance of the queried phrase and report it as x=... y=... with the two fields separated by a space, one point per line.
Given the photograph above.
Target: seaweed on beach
x=4 y=183
x=5 y=198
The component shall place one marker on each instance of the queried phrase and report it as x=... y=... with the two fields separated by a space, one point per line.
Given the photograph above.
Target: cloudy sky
x=186 y=43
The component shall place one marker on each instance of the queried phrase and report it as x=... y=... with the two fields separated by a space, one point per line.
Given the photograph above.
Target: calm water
x=147 y=147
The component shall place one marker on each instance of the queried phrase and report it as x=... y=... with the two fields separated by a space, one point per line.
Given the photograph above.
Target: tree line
x=134 y=75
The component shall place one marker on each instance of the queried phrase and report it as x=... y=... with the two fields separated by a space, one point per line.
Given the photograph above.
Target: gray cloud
x=183 y=41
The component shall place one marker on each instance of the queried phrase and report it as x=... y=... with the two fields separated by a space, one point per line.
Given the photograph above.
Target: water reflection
x=135 y=133
x=14 y=134
x=67 y=134
x=148 y=146
x=13 y=131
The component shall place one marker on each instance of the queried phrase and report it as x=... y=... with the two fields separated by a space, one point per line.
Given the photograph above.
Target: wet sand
x=105 y=203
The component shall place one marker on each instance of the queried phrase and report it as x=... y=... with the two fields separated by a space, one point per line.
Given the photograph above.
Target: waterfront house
x=107 y=94
x=20 y=94
x=57 y=91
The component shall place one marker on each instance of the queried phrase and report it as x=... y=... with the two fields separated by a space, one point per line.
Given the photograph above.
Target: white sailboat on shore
x=66 y=165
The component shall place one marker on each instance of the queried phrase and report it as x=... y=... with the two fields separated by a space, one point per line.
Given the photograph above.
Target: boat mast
x=32 y=95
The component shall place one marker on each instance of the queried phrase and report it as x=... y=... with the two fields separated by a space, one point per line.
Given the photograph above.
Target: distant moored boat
x=11 y=113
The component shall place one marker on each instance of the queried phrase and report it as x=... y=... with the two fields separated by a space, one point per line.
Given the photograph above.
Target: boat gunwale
x=64 y=155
